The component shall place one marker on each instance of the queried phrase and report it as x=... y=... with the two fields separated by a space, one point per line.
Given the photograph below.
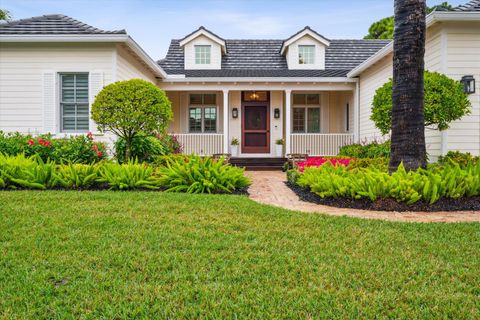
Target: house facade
x=313 y=92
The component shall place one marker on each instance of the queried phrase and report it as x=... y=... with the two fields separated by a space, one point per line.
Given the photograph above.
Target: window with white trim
x=202 y=113
x=306 y=113
x=203 y=54
x=74 y=109
x=306 y=54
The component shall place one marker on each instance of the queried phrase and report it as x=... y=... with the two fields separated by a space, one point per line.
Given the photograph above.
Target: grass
x=155 y=255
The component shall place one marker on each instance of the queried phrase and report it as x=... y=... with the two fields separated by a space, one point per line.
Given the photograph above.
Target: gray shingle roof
x=262 y=58
x=51 y=24
x=473 y=5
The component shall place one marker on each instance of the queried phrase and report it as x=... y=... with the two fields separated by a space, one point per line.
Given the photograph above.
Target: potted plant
x=234 y=147
x=279 y=147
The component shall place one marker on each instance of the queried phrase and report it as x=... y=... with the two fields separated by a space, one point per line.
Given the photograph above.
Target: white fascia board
x=432 y=18
x=64 y=38
x=97 y=38
x=205 y=33
x=146 y=58
x=302 y=34
x=179 y=79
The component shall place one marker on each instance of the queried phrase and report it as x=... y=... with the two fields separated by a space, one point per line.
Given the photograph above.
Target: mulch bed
x=444 y=204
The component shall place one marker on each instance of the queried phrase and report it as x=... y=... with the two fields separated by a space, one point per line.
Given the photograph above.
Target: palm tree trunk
x=408 y=129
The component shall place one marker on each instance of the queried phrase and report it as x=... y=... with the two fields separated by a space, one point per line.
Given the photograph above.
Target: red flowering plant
x=75 y=149
x=319 y=161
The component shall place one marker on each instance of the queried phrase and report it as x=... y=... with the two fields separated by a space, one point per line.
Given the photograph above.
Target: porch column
x=288 y=121
x=225 y=121
x=356 y=113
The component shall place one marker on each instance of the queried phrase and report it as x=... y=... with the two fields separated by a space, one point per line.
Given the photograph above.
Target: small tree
x=445 y=102
x=129 y=108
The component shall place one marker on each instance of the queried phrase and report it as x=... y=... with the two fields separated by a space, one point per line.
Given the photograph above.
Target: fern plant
x=26 y=172
x=77 y=176
x=128 y=176
x=201 y=175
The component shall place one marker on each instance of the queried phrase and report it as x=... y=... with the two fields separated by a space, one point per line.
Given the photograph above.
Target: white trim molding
x=203 y=32
x=304 y=32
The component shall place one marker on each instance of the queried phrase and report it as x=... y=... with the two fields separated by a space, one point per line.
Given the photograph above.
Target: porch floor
x=252 y=164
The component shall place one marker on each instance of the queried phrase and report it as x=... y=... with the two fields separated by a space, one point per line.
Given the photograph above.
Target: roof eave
x=432 y=18
x=183 y=79
x=97 y=38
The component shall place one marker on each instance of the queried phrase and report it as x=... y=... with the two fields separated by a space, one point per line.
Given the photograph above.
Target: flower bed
x=78 y=149
x=315 y=162
x=448 y=187
x=192 y=175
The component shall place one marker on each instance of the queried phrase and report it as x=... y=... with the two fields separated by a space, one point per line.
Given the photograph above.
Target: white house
x=313 y=92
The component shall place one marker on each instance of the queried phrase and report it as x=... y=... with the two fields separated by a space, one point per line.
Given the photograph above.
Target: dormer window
x=202 y=54
x=306 y=54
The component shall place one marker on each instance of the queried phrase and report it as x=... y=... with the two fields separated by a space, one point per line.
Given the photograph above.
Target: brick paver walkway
x=269 y=187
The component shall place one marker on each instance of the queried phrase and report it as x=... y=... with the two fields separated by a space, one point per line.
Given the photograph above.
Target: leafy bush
x=78 y=149
x=148 y=148
x=449 y=181
x=201 y=175
x=128 y=176
x=77 y=176
x=320 y=161
x=26 y=172
x=370 y=150
x=132 y=107
x=461 y=158
x=445 y=101
x=378 y=163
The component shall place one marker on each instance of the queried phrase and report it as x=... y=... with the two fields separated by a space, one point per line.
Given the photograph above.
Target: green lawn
x=154 y=255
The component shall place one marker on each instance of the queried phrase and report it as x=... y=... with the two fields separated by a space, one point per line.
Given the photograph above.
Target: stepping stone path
x=269 y=187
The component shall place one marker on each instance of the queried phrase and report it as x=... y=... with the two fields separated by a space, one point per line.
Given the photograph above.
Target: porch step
x=259 y=163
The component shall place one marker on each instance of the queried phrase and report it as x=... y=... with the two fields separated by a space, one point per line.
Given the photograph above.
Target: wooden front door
x=256 y=128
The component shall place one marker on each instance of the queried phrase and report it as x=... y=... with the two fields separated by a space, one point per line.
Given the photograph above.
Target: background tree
x=445 y=101
x=5 y=15
x=408 y=131
x=129 y=108
x=383 y=29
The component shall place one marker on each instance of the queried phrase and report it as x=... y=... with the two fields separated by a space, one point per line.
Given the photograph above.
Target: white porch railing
x=319 y=144
x=204 y=144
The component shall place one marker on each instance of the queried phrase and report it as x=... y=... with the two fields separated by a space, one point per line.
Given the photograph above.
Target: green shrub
x=26 y=172
x=461 y=158
x=445 y=101
x=128 y=176
x=293 y=175
x=378 y=163
x=163 y=161
x=449 y=181
x=130 y=108
x=148 y=148
x=370 y=150
x=76 y=149
x=201 y=175
x=77 y=176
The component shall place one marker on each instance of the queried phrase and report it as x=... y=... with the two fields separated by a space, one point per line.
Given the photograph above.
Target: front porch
x=312 y=119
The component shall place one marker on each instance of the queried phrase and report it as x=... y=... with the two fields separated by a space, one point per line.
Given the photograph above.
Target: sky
x=153 y=23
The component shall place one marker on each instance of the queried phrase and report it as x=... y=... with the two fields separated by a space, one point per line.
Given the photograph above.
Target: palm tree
x=408 y=131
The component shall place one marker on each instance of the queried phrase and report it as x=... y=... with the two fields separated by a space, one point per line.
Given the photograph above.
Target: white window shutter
x=50 y=108
x=95 y=86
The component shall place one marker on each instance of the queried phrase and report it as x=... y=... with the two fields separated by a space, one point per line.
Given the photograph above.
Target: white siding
x=292 y=54
x=23 y=68
x=377 y=75
x=464 y=59
x=215 y=58
x=129 y=67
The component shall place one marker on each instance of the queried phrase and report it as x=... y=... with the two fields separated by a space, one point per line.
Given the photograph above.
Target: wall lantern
x=276 y=113
x=235 y=113
x=468 y=84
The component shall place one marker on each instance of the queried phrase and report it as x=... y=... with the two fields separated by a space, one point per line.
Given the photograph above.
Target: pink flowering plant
x=316 y=162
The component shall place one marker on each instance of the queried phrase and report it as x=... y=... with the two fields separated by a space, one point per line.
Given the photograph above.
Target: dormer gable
x=203 y=50
x=305 y=50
